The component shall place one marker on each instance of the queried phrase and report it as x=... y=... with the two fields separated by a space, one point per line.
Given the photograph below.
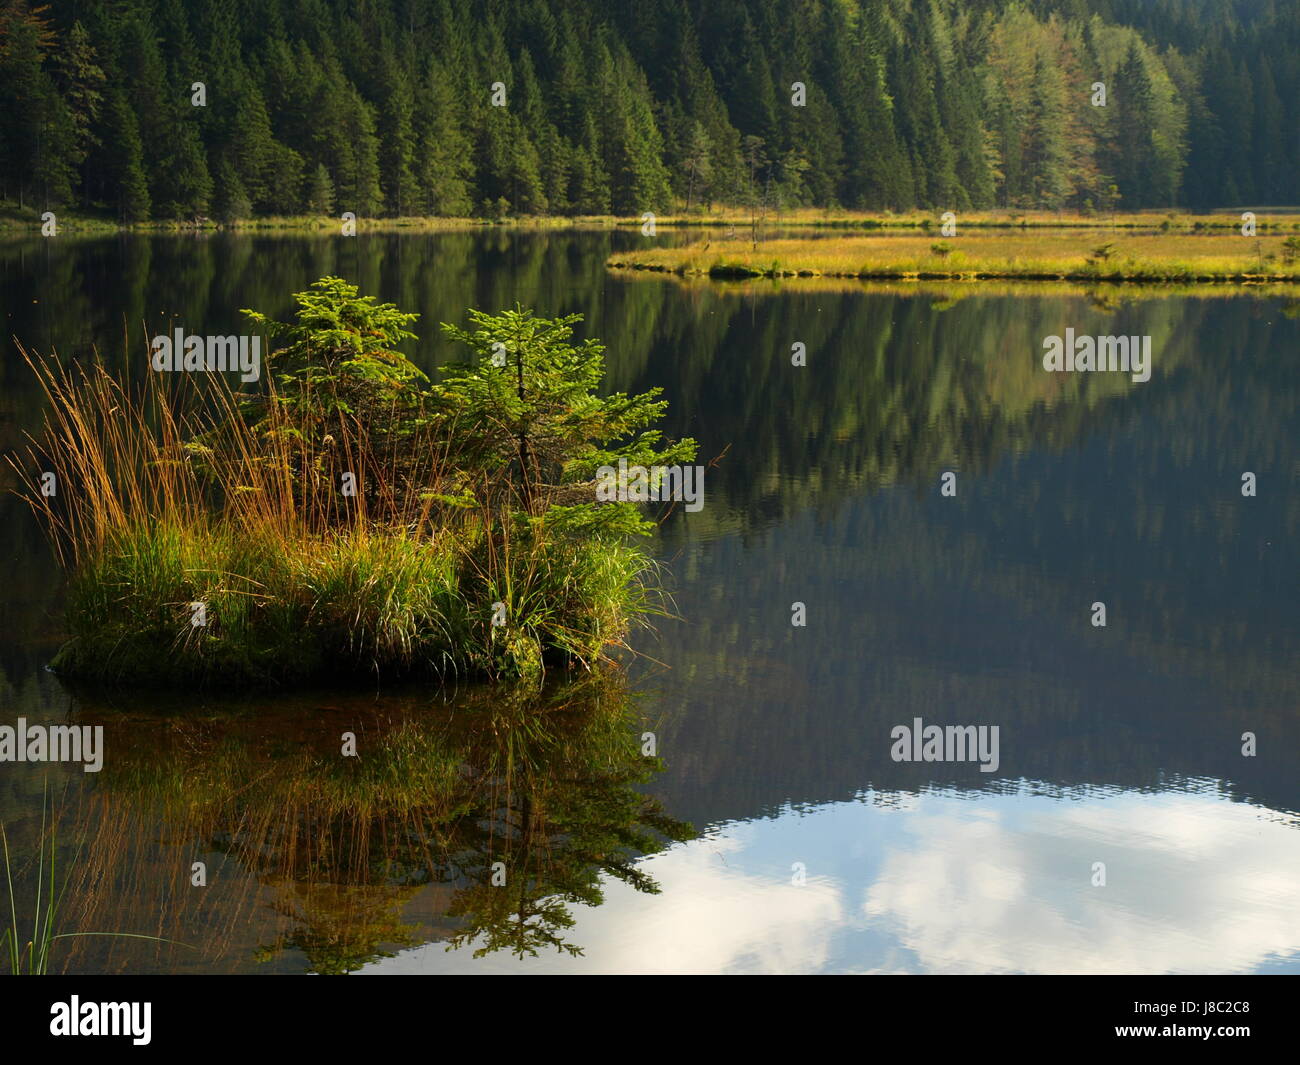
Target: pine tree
x=443 y=164
x=397 y=139
x=320 y=191
x=232 y=200
x=38 y=134
x=1046 y=161
x=698 y=163
x=119 y=160
x=81 y=82
x=934 y=163
x=1134 y=121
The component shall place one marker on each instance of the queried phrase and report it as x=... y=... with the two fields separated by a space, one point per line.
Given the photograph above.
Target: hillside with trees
x=171 y=109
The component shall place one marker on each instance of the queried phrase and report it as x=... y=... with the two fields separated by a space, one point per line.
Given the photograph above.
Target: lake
x=1144 y=811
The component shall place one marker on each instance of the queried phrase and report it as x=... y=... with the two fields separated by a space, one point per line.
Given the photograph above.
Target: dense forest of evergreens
x=233 y=108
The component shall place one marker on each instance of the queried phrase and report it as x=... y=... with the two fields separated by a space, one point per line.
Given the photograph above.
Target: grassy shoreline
x=1268 y=220
x=1150 y=258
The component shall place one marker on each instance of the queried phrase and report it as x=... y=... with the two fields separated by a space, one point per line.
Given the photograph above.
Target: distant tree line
x=233 y=108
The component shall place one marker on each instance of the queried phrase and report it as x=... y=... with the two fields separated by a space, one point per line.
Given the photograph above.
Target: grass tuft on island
x=354 y=518
x=1042 y=256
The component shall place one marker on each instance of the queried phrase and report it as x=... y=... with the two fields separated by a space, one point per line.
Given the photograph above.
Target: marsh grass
x=1059 y=256
x=169 y=496
x=997 y=219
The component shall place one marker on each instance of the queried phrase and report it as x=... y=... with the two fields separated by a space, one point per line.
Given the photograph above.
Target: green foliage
x=347 y=399
x=529 y=401
x=320 y=195
x=614 y=108
x=341 y=355
x=473 y=543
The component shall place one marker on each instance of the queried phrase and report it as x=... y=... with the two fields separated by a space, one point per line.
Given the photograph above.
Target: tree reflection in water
x=492 y=815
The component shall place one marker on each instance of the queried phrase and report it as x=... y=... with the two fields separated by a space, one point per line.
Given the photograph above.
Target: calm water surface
x=788 y=839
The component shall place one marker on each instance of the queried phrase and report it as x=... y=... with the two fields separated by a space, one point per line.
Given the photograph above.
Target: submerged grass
x=30 y=955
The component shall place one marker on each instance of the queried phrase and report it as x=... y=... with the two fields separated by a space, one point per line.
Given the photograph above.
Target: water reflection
x=946 y=882
x=1121 y=745
x=498 y=811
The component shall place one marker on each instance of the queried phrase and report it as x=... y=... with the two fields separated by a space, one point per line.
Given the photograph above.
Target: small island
x=352 y=518
x=1183 y=250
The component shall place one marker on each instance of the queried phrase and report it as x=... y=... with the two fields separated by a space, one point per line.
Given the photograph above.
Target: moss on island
x=353 y=518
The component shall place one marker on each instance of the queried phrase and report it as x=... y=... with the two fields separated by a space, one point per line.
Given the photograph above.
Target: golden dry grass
x=1060 y=255
x=996 y=218
x=169 y=497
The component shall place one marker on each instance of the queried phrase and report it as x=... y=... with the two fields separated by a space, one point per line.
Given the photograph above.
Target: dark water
x=811 y=848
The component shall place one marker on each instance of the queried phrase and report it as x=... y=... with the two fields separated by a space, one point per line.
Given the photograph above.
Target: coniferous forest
x=230 y=109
